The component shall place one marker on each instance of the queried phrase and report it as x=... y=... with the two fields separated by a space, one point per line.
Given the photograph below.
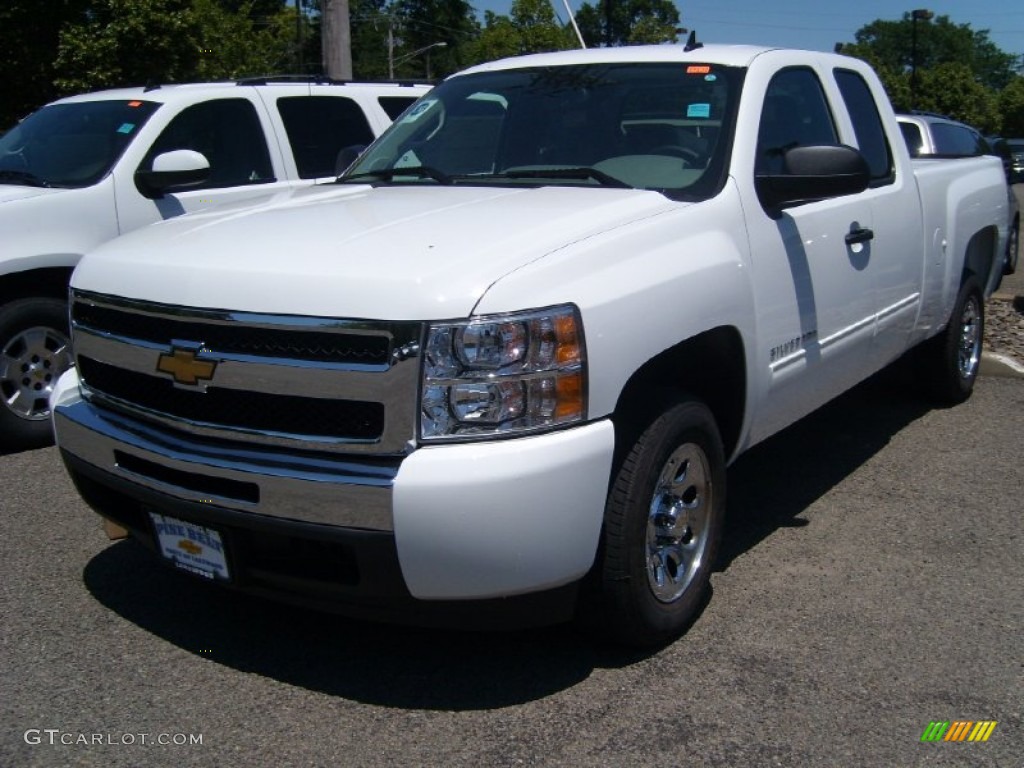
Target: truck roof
x=727 y=55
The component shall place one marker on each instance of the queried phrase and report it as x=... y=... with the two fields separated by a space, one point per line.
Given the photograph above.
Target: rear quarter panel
x=960 y=198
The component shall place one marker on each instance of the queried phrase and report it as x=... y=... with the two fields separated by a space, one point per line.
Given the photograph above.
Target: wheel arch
x=51 y=282
x=710 y=366
x=981 y=259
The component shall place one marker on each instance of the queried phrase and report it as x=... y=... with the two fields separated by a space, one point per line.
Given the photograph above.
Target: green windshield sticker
x=126 y=128
x=698 y=110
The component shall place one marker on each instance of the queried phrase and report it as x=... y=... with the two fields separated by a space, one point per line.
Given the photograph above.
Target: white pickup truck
x=88 y=168
x=498 y=371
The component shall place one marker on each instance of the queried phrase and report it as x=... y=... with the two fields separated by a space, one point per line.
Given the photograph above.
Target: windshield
x=70 y=145
x=661 y=126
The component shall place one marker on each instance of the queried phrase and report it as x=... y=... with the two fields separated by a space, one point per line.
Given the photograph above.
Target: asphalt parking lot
x=872 y=583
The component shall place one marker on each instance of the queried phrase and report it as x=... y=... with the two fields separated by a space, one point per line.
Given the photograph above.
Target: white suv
x=85 y=169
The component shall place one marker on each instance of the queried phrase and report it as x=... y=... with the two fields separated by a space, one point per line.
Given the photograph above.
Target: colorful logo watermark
x=959 y=730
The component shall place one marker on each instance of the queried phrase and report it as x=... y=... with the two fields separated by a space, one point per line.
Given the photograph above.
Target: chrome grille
x=312 y=345
x=317 y=383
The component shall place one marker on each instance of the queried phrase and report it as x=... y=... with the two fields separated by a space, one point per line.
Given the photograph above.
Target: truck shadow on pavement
x=773 y=483
x=448 y=670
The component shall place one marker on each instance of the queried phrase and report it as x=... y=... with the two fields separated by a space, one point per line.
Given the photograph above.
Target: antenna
x=691 y=43
x=572 y=20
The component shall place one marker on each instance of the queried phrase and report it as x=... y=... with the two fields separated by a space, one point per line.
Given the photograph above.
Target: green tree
x=1011 y=107
x=242 y=42
x=532 y=28
x=952 y=89
x=499 y=39
x=375 y=30
x=939 y=41
x=423 y=23
x=29 y=32
x=628 y=22
x=959 y=70
x=124 y=42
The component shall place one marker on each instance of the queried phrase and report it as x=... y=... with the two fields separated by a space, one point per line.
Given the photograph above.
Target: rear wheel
x=1012 y=249
x=950 y=361
x=663 y=524
x=34 y=352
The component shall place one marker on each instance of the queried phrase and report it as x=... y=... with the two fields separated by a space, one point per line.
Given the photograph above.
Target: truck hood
x=397 y=253
x=12 y=192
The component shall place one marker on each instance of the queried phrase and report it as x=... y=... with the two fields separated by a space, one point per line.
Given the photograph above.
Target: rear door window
x=319 y=127
x=395 y=105
x=952 y=140
x=867 y=124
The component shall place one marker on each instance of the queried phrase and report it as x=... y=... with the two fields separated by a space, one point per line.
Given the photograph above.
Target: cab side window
x=867 y=125
x=228 y=134
x=795 y=114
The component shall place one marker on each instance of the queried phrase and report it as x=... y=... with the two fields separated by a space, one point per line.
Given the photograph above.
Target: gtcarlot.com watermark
x=55 y=736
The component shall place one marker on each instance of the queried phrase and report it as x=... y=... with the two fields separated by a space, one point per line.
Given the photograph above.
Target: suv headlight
x=503 y=375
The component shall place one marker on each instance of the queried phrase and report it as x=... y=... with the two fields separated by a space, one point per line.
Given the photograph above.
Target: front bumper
x=466 y=522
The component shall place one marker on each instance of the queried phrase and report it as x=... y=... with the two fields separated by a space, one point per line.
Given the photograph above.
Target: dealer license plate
x=191 y=547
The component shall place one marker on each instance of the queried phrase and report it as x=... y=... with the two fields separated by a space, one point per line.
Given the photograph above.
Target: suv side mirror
x=172 y=171
x=814 y=173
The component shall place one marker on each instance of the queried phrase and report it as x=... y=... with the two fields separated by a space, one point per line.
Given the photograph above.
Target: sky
x=819 y=25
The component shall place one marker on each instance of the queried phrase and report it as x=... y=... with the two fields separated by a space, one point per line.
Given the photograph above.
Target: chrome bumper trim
x=290 y=486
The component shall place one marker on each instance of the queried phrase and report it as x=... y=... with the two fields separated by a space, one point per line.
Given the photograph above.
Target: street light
x=925 y=15
x=392 y=61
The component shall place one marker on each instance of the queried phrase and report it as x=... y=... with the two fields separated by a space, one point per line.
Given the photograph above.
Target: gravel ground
x=1004 y=313
x=1004 y=326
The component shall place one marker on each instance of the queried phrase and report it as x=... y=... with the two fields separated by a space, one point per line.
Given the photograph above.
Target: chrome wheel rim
x=970 y=338
x=30 y=365
x=678 y=522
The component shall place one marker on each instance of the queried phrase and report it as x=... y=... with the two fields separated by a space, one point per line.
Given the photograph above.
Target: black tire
x=662 y=528
x=949 y=362
x=34 y=352
x=1012 y=249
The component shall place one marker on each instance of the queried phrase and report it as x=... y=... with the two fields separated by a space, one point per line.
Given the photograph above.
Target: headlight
x=503 y=375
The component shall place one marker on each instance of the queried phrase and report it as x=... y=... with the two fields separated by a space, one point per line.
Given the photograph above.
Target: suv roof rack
x=322 y=80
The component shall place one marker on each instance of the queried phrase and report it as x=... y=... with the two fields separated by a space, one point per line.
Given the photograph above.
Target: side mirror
x=347 y=156
x=172 y=171
x=814 y=173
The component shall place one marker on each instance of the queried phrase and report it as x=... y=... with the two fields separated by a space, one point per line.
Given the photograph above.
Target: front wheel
x=663 y=525
x=34 y=352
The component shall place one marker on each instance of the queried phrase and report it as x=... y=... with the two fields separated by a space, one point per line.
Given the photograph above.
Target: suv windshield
x=661 y=126
x=70 y=145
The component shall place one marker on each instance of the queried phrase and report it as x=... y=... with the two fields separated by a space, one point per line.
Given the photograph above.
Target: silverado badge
x=183 y=366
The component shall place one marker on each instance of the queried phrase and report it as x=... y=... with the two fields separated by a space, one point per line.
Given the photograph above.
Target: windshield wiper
x=387 y=174
x=581 y=172
x=23 y=177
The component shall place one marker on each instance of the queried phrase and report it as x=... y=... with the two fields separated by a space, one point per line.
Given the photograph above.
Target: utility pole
x=337 y=40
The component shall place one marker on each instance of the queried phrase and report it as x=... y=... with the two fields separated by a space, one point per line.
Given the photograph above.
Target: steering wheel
x=691 y=157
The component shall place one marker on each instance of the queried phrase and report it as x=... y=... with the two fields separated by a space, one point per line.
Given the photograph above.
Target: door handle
x=859 y=235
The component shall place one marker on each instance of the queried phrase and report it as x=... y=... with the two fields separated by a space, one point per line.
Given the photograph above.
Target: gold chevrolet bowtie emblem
x=191 y=547
x=184 y=367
